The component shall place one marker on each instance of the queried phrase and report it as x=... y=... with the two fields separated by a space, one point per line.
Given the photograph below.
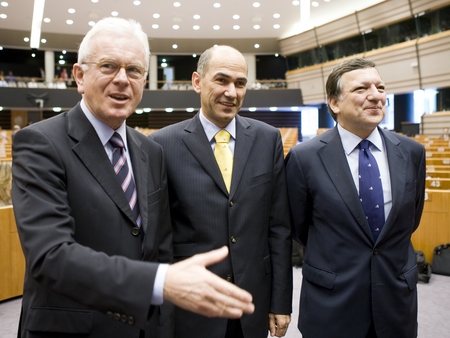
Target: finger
x=212 y=257
x=272 y=325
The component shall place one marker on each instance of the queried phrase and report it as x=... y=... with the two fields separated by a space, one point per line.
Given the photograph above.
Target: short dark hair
x=334 y=83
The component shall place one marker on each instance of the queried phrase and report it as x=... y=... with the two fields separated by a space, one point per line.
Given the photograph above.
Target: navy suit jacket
x=253 y=220
x=348 y=279
x=85 y=273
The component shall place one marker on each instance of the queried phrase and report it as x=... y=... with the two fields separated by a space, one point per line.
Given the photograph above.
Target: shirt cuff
x=158 y=287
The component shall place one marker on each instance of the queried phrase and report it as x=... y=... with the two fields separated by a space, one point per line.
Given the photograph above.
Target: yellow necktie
x=223 y=156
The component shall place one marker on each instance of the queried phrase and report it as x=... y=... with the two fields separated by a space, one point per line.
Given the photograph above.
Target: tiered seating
x=289 y=136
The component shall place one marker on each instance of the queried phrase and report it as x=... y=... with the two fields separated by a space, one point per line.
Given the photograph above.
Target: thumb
x=213 y=256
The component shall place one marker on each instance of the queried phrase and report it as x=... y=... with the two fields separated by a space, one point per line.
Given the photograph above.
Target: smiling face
x=361 y=107
x=111 y=98
x=222 y=88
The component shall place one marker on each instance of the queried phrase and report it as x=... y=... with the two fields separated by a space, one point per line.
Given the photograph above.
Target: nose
x=230 y=90
x=121 y=74
x=375 y=94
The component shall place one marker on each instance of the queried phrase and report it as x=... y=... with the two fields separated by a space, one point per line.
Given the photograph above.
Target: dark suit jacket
x=253 y=221
x=348 y=280
x=85 y=274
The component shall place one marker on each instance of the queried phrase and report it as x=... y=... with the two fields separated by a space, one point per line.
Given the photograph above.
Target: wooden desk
x=12 y=261
x=434 y=228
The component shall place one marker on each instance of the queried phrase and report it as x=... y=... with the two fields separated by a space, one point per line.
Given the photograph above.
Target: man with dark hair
x=356 y=194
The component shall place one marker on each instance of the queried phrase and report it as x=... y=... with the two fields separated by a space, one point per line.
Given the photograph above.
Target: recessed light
x=174 y=46
x=91 y=23
x=196 y=27
x=156 y=16
x=276 y=15
x=169 y=110
x=71 y=10
x=315 y=4
x=196 y=17
x=236 y=27
x=273 y=108
x=216 y=5
x=176 y=27
x=256 y=45
x=4 y=4
x=3 y=16
x=155 y=26
x=114 y=13
x=176 y=4
x=56 y=109
x=276 y=26
x=256 y=4
x=94 y=1
x=252 y=109
x=294 y=108
x=139 y=111
x=136 y=2
x=236 y=17
x=26 y=39
x=44 y=40
x=47 y=20
x=69 y=22
x=190 y=110
x=216 y=27
x=296 y=2
x=256 y=27
x=147 y=110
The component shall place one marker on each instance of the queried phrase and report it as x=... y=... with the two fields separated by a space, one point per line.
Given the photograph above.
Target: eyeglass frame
x=118 y=68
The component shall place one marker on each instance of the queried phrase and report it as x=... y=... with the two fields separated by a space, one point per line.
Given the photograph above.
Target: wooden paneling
x=433 y=124
x=383 y=14
x=337 y=30
x=12 y=262
x=434 y=228
x=298 y=43
x=310 y=80
x=434 y=56
x=419 y=6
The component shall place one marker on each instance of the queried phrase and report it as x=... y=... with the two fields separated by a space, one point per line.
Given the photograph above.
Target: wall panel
x=310 y=80
x=383 y=14
x=337 y=30
x=434 y=56
x=299 y=42
x=423 y=5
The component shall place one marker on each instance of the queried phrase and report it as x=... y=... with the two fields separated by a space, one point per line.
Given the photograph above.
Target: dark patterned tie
x=370 y=189
x=119 y=161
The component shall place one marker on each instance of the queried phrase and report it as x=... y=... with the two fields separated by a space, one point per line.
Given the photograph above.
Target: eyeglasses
x=111 y=68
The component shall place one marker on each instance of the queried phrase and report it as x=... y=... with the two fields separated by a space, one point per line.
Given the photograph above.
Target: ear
x=333 y=104
x=78 y=75
x=196 y=82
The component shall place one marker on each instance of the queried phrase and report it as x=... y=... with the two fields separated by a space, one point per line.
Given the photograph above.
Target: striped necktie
x=119 y=161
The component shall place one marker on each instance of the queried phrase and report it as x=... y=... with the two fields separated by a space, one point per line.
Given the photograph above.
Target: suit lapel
x=197 y=143
x=334 y=160
x=244 y=142
x=397 y=161
x=91 y=153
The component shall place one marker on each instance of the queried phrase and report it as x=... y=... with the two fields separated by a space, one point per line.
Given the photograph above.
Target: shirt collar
x=103 y=131
x=350 y=141
x=211 y=129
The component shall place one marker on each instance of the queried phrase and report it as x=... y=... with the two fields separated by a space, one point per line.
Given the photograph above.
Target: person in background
x=5 y=183
x=15 y=129
x=356 y=194
x=91 y=206
x=241 y=204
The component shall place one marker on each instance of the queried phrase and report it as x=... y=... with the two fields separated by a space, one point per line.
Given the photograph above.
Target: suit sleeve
x=47 y=230
x=420 y=189
x=280 y=239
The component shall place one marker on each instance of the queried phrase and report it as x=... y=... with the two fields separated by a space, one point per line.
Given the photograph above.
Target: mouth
x=119 y=97
x=228 y=104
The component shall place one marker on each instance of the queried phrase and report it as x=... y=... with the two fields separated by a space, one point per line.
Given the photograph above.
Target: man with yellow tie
x=227 y=187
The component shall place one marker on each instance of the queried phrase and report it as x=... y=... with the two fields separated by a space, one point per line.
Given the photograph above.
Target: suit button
x=110 y=314
x=231 y=203
x=135 y=231
x=228 y=278
x=117 y=316
x=233 y=239
x=130 y=320
x=124 y=319
x=375 y=251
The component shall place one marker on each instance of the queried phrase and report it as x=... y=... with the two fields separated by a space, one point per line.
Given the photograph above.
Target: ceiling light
x=196 y=17
x=33 y=55
x=216 y=5
x=294 y=108
x=174 y=46
x=169 y=110
x=175 y=27
x=256 y=27
x=196 y=27
x=273 y=108
x=4 y=4
x=139 y=111
x=56 y=109
x=296 y=2
x=38 y=14
x=276 y=26
x=114 y=13
x=236 y=17
x=252 y=109
x=155 y=26
x=176 y=4
x=62 y=62
x=256 y=45
x=216 y=27
x=71 y=10
x=315 y=4
x=190 y=110
x=194 y=55
x=1 y=108
x=44 y=40
x=47 y=20
x=64 y=51
x=136 y=2
x=276 y=15
x=91 y=23
x=163 y=64
x=26 y=39
x=276 y=55
x=69 y=22
x=236 y=27
x=256 y=4
x=156 y=16
x=3 y=16
x=147 y=110
x=94 y=1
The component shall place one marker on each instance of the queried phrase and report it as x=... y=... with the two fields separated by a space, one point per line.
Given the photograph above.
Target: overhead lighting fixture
x=176 y=4
x=196 y=17
x=169 y=110
x=156 y=16
x=256 y=45
x=256 y=4
x=136 y=3
x=114 y=13
x=216 y=5
x=57 y=109
x=4 y=4
x=174 y=46
x=190 y=110
x=276 y=16
x=236 y=27
x=175 y=27
x=38 y=14
x=147 y=110
x=216 y=27
x=276 y=26
x=256 y=27
x=3 y=16
x=196 y=27
x=273 y=108
x=236 y=17
x=252 y=109
x=139 y=111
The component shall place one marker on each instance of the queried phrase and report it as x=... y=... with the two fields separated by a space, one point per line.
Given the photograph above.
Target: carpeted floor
x=434 y=310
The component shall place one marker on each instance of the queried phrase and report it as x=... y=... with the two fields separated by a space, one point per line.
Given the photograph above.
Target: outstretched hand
x=191 y=286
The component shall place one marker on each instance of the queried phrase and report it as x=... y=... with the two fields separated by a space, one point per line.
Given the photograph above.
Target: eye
x=241 y=84
x=108 y=67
